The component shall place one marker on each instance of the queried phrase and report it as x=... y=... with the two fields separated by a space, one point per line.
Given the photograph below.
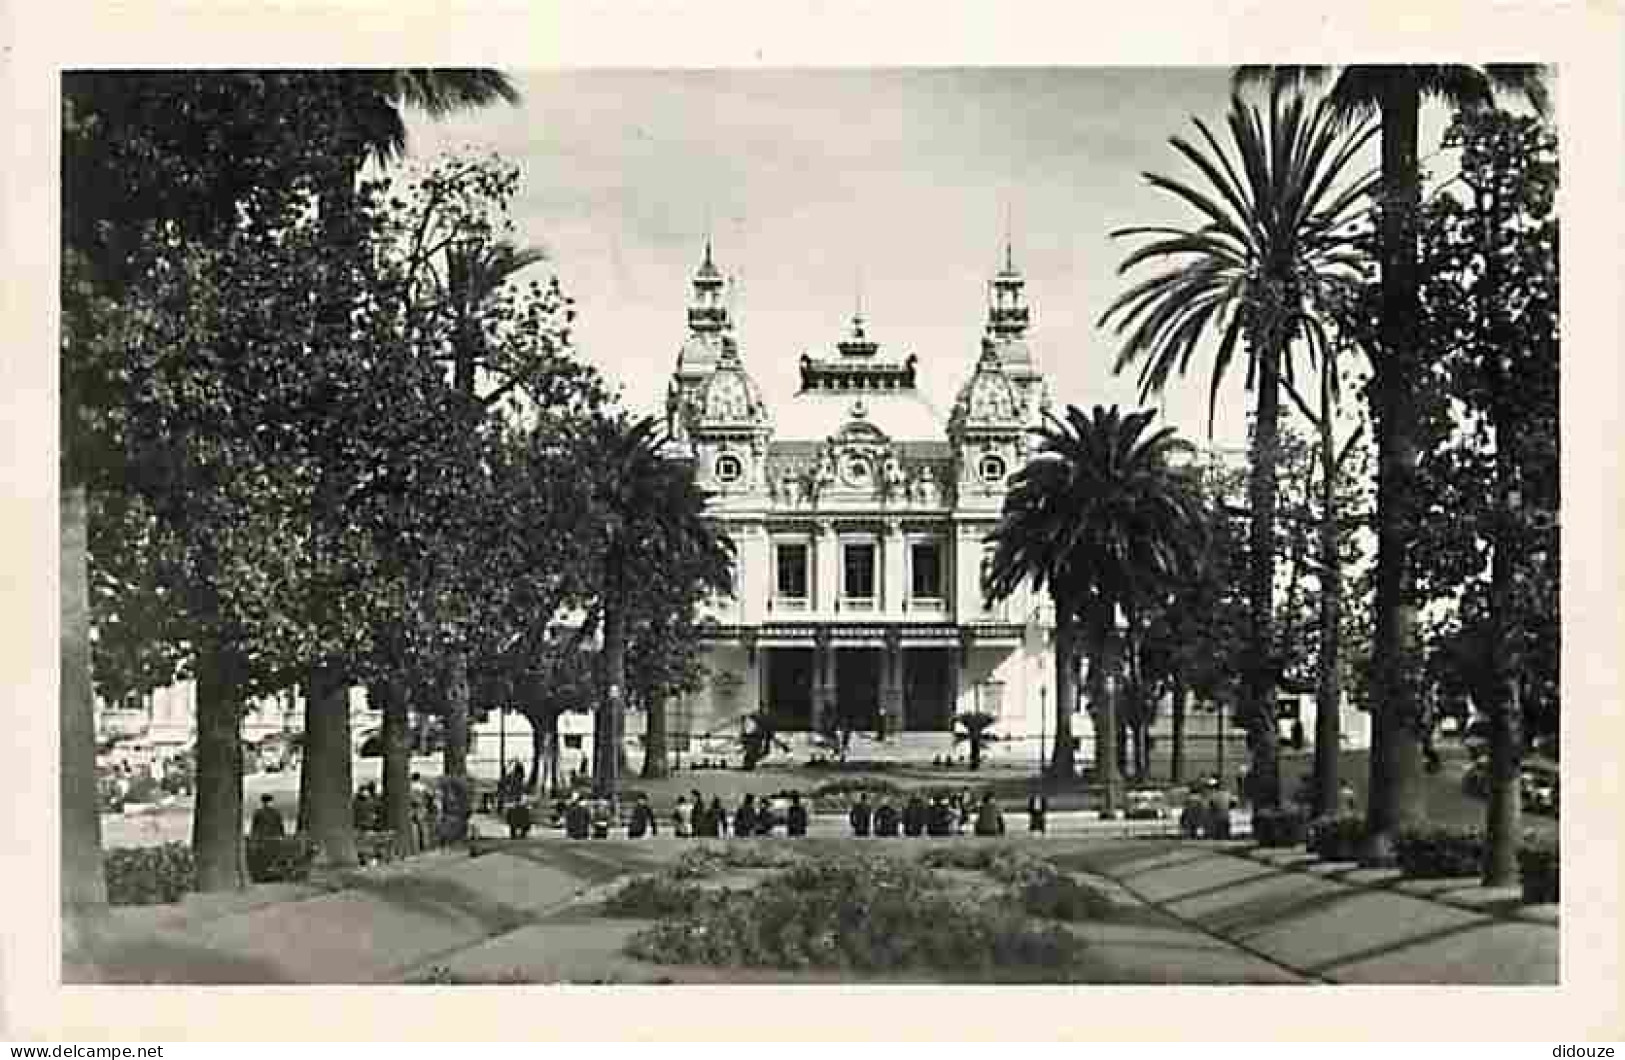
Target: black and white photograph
x=784 y=525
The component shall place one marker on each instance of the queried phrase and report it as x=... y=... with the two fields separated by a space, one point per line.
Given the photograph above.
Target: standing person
x=1037 y=813
x=989 y=818
x=577 y=818
x=361 y=809
x=418 y=798
x=767 y=817
x=885 y=820
x=745 y=818
x=795 y=817
x=267 y=823
x=962 y=811
x=939 y=818
x=682 y=817
x=643 y=820
x=1348 y=802
x=860 y=815
x=716 y=819
x=914 y=815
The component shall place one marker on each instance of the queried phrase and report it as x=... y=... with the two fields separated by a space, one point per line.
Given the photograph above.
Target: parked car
x=1148 y=804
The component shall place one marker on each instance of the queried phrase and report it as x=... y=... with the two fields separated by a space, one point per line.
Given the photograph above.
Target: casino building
x=858 y=512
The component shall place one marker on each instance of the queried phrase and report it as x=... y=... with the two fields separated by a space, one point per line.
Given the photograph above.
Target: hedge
x=1437 y=852
x=1336 y=838
x=1283 y=827
x=282 y=859
x=149 y=875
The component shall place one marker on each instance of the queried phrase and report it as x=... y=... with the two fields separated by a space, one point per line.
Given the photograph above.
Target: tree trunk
x=655 y=764
x=1328 y=683
x=1063 y=760
x=328 y=762
x=84 y=883
x=455 y=756
x=1106 y=722
x=1259 y=671
x=217 y=815
x=1396 y=795
x=397 y=741
x=975 y=753
x=609 y=724
x=1176 y=767
x=83 y=880
x=538 y=746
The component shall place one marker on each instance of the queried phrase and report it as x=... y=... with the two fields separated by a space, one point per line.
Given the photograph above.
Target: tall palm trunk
x=1328 y=679
x=608 y=724
x=397 y=740
x=84 y=884
x=1108 y=749
x=1259 y=672
x=217 y=816
x=655 y=763
x=455 y=756
x=1063 y=760
x=1176 y=768
x=328 y=765
x=1396 y=797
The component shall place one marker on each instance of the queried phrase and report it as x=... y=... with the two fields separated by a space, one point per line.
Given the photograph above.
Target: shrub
x=149 y=875
x=376 y=847
x=710 y=859
x=1336 y=838
x=863 y=913
x=1539 y=864
x=837 y=795
x=1063 y=898
x=652 y=896
x=1436 y=852
x=281 y=859
x=1041 y=889
x=1284 y=827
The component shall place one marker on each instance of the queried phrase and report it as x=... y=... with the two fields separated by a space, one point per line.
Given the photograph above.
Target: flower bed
x=710 y=859
x=652 y=896
x=1041 y=889
x=149 y=875
x=1539 y=864
x=836 y=796
x=868 y=914
x=1438 y=852
x=1279 y=827
x=1336 y=838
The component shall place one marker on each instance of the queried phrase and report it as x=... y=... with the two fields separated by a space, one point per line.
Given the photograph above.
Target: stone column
x=823 y=683
x=891 y=694
x=892 y=566
x=826 y=568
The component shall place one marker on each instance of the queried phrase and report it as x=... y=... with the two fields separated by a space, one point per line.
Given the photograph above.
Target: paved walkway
x=1182 y=913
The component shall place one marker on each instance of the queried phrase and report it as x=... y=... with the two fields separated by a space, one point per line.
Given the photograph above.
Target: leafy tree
x=1396 y=93
x=1270 y=261
x=1100 y=520
x=652 y=513
x=975 y=729
x=1490 y=333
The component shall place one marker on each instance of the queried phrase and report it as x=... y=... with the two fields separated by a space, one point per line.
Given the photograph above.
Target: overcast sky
x=818 y=184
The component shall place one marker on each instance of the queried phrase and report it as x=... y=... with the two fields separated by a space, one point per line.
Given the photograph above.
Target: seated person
x=914 y=815
x=795 y=818
x=886 y=820
x=577 y=819
x=519 y=820
x=860 y=816
x=745 y=818
x=939 y=818
x=989 y=818
x=643 y=820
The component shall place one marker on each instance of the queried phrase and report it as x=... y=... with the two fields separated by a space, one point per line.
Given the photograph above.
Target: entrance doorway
x=927 y=690
x=857 y=687
x=789 y=687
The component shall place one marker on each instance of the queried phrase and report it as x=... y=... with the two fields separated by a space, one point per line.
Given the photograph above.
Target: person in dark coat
x=795 y=818
x=1037 y=813
x=745 y=818
x=765 y=819
x=643 y=820
x=860 y=816
x=267 y=823
x=520 y=819
x=716 y=820
x=603 y=814
x=989 y=819
x=885 y=820
x=939 y=818
x=577 y=819
x=914 y=814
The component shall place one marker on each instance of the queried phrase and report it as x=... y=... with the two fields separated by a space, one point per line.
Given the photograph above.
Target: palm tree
x=368 y=111
x=1396 y=93
x=977 y=731
x=1100 y=520
x=1269 y=260
x=653 y=515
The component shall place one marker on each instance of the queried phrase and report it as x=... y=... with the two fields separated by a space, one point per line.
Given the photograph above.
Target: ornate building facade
x=858 y=514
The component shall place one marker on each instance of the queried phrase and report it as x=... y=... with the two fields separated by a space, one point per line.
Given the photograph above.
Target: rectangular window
x=925 y=565
x=860 y=571
x=792 y=582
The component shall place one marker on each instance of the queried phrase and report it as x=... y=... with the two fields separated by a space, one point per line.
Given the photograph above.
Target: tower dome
x=988 y=398
x=729 y=397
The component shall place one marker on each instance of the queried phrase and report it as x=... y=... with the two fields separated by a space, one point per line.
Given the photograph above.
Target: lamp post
x=1043 y=732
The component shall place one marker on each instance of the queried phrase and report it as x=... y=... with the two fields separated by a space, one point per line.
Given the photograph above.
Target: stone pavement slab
x=1485 y=952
